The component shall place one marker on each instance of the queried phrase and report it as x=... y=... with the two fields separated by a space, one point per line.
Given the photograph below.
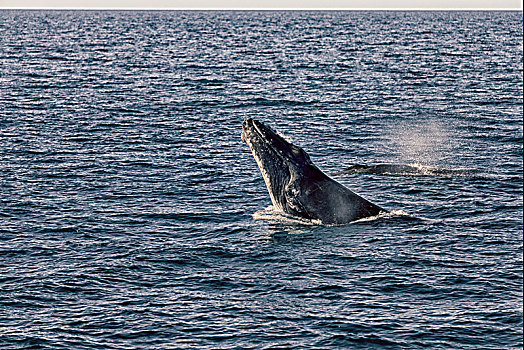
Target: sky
x=267 y=4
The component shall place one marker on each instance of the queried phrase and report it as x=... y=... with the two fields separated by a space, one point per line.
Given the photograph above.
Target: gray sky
x=338 y=4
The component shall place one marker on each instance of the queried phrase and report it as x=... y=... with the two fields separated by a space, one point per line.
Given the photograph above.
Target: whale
x=296 y=186
x=404 y=169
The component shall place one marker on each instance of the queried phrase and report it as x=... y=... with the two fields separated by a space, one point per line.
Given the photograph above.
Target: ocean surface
x=132 y=215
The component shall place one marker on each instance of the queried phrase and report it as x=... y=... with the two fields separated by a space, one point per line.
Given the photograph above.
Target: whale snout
x=245 y=126
x=248 y=123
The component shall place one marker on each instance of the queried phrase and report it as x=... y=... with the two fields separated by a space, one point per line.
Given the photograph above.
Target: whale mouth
x=257 y=135
x=254 y=129
x=273 y=156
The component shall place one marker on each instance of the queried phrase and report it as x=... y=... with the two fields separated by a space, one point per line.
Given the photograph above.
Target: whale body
x=296 y=186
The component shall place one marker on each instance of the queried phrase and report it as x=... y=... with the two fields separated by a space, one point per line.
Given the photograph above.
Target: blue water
x=133 y=216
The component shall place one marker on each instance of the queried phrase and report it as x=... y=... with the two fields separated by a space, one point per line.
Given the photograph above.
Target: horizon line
x=264 y=8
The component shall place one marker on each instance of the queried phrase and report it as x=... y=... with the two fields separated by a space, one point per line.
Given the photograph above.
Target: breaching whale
x=296 y=186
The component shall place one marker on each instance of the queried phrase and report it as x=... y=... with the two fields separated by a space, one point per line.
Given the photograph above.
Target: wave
x=406 y=169
x=273 y=215
x=384 y=215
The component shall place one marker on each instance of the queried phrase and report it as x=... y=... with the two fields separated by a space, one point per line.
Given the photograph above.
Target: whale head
x=285 y=167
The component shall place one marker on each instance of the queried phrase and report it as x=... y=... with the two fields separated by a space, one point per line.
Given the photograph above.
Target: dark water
x=128 y=199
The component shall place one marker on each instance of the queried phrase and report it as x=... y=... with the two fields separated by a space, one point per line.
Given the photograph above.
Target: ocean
x=132 y=215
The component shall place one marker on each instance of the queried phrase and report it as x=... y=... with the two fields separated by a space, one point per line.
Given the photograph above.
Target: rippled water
x=133 y=216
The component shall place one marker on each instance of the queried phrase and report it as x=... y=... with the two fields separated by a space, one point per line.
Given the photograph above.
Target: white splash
x=273 y=214
x=383 y=215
